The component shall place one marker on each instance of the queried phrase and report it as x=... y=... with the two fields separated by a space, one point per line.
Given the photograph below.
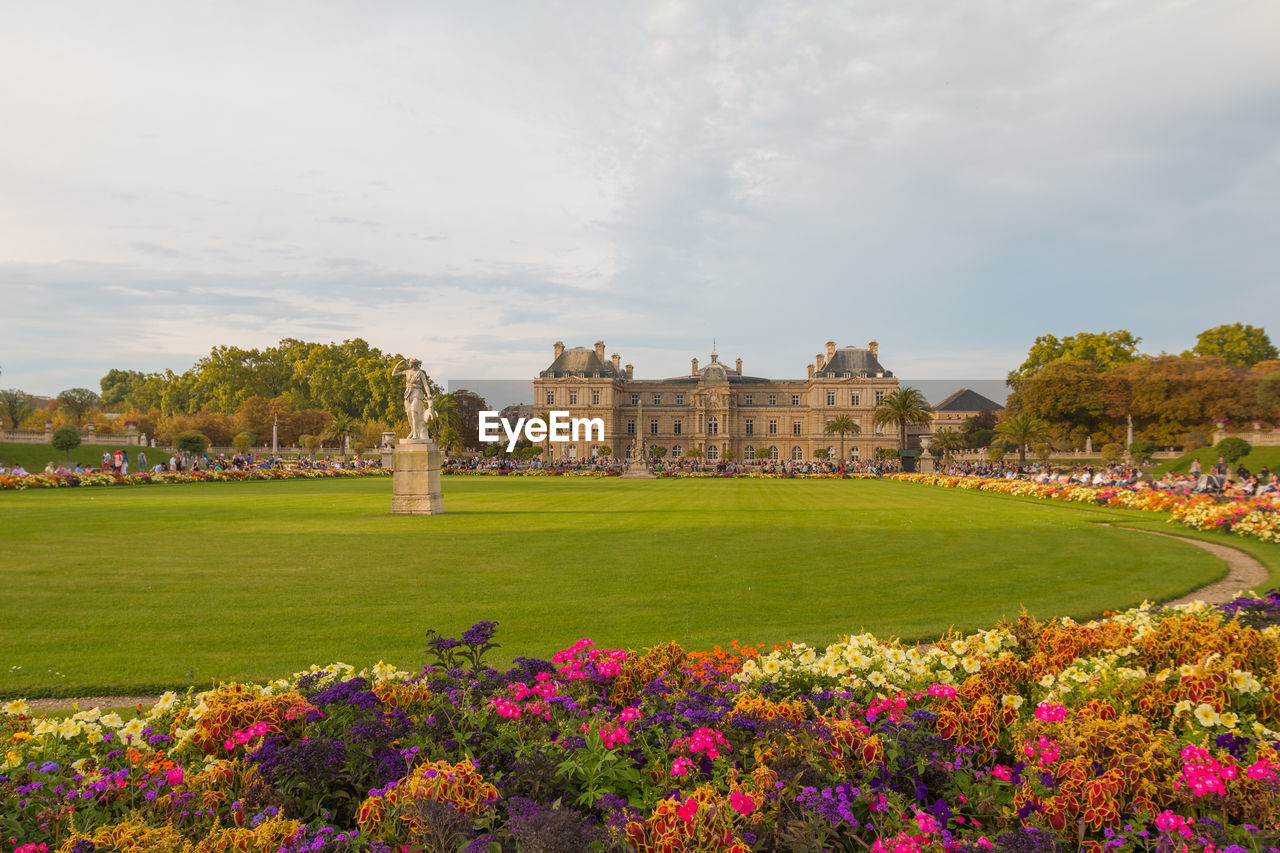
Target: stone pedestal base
x=639 y=471
x=415 y=481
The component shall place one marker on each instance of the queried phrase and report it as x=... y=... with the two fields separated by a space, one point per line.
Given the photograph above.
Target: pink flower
x=681 y=766
x=688 y=811
x=927 y=822
x=174 y=776
x=742 y=803
x=1001 y=772
x=1051 y=713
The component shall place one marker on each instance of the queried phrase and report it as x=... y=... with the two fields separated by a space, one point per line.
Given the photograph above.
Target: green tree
x=1269 y=394
x=242 y=442
x=1021 y=430
x=1068 y=395
x=469 y=406
x=729 y=455
x=193 y=442
x=978 y=430
x=821 y=454
x=444 y=427
x=1142 y=450
x=1104 y=349
x=946 y=442
x=76 y=402
x=66 y=438
x=904 y=407
x=842 y=424
x=16 y=405
x=1112 y=452
x=341 y=428
x=657 y=451
x=1236 y=343
x=695 y=453
x=1044 y=451
x=605 y=450
x=1232 y=448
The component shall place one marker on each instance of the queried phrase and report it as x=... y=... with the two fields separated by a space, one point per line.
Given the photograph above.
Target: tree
x=978 y=430
x=1269 y=393
x=1022 y=429
x=695 y=453
x=605 y=450
x=242 y=442
x=341 y=428
x=1068 y=395
x=822 y=454
x=995 y=454
x=946 y=442
x=66 y=438
x=1112 y=452
x=657 y=451
x=76 y=402
x=443 y=428
x=193 y=442
x=1142 y=450
x=469 y=406
x=842 y=424
x=729 y=454
x=1232 y=448
x=1105 y=349
x=1044 y=450
x=1237 y=343
x=16 y=405
x=904 y=407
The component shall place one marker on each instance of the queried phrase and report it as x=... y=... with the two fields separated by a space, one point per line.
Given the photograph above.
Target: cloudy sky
x=470 y=182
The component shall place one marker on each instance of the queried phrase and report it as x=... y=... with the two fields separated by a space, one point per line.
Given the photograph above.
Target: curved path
x=1244 y=571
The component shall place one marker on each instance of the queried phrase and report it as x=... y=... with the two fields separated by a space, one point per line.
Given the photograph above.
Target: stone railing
x=1258 y=437
x=36 y=436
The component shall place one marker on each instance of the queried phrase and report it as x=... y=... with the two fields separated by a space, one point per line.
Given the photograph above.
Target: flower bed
x=1254 y=518
x=55 y=481
x=1147 y=730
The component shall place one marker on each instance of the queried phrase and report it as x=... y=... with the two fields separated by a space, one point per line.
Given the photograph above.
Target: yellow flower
x=1206 y=715
x=17 y=708
x=1183 y=707
x=1228 y=719
x=877 y=679
x=1014 y=702
x=133 y=729
x=1046 y=681
x=112 y=721
x=13 y=759
x=971 y=665
x=949 y=661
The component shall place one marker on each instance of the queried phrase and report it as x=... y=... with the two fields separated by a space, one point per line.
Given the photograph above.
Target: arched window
x=749 y=452
x=573 y=451
x=677 y=452
x=713 y=426
x=853 y=454
x=773 y=454
x=797 y=454
x=713 y=453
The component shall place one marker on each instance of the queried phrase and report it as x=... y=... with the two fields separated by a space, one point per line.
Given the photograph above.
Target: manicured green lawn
x=122 y=589
x=33 y=457
x=1253 y=460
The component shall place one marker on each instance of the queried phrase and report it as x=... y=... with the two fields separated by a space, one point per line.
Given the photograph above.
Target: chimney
x=558 y=348
x=616 y=359
x=874 y=346
x=630 y=370
x=738 y=365
x=694 y=371
x=818 y=362
x=600 y=350
x=831 y=349
x=811 y=369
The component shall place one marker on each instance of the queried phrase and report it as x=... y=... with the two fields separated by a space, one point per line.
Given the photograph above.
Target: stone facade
x=717 y=408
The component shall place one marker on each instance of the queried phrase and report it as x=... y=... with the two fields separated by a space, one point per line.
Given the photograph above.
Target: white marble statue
x=418 y=404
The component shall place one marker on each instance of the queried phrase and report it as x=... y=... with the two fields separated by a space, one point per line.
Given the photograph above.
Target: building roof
x=581 y=361
x=965 y=400
x=853 y=361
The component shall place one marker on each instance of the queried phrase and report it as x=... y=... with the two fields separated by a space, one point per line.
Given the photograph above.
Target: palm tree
x=948 y=441
x=1022 y=429
x=444 y=428
x=842 y=424
x=341 y=428
x=904 y=407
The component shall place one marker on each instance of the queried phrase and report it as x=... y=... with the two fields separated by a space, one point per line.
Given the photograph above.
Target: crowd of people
x=119 y=463
x=1218 y=480
x=683 y=464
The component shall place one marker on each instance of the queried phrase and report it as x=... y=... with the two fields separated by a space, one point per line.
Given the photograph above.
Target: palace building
x=718 y=409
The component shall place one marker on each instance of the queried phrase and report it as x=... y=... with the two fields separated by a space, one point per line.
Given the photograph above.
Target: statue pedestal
x=639 y=470
x=415 y=481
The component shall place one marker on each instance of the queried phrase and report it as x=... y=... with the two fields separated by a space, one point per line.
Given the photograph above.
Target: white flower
x=960 y=647
x=133 y=730
x=1014 y=702
x=1207 y=716
x=111 y=721
x=877 y=679
x=1046 y=680
x=949 y=661
x=971 y=665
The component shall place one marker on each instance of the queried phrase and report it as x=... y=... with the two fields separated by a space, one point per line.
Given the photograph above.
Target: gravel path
x=1244 y=572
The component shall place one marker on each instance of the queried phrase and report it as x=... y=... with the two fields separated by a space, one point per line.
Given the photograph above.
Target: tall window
x=677 y=425
x=713 y=425
x=773 y=399
x=853 y=399
x=879 y=397
x=595 y=398
x=795 y=399
x=677 y=451
x=657 y=399
x=750 y=426
x=749 y=452
x=773 y=453
x=831 y=398
x=573 y=398
x=551 y=398
x=795 y=427
x=713 y=453
x=749 y=401
x=631 y=426
x=679 y=399
x=773 y=426
x=797 y=454
x=653 y=426
x=635 y=398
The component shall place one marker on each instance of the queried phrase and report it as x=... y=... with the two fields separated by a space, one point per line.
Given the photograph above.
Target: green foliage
x=192 y=442
x=1232 y=448
x=995 y=454
x=66 y=438
x=242 y=442
x=1142 y=449
x=1104 y=349
x=842 y=424
x=978 y=430
x=76 y=402
x=886 y=453
x=657 y=451
x=1043 y=451
x=16 y=405
x=1269 y=393
x=945 y=443
x=904 y=407
x=695 y=453
x=1021 y=430
x=1237 y=343
x=822 y=453
x=1112 y=452
x=606 y=450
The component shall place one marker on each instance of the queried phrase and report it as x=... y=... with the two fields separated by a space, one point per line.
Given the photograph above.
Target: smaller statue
x=419 y=406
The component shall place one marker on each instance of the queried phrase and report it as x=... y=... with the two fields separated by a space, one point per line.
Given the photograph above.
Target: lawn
x=1253 y=460
x=136 y=588
x=33 y=457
